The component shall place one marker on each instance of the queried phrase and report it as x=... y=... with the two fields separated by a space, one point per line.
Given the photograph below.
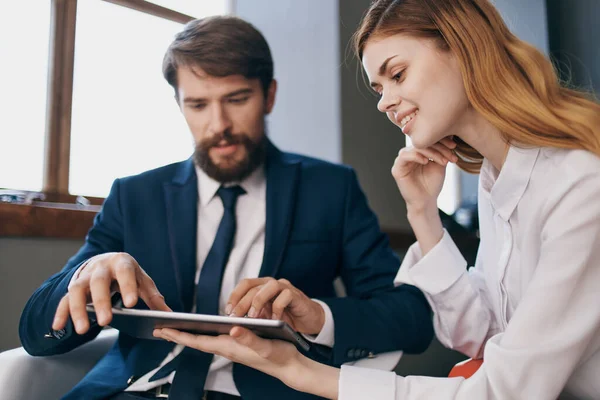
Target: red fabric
x=465 y=368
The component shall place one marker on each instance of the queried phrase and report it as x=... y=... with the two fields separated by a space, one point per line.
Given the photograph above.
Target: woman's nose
x=387 y=102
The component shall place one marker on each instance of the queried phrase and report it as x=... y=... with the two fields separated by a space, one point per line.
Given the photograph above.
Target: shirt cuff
x=363 y=383
x=383 y=361
x=434 y=272
x=327 y=335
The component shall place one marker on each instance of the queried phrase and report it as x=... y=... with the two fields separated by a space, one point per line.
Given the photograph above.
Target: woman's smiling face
x=420 y=86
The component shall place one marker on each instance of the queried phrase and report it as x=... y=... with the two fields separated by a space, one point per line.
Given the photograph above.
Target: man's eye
x=238 y=100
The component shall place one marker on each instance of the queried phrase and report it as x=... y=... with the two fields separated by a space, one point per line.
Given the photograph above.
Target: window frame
x=61 y=214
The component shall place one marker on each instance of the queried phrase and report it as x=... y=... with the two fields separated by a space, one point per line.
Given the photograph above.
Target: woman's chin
x=419 y=142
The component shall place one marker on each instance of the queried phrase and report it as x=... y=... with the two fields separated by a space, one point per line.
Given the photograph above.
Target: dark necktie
x=192 y=365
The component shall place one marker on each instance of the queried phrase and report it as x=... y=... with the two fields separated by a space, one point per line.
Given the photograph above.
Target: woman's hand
x=273 y=357
x=420 y=173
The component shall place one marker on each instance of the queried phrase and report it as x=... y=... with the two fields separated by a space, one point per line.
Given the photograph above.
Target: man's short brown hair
x=220 y=46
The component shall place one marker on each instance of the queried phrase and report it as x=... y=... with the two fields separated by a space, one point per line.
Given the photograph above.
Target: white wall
x=303 y=36
x=526 y=19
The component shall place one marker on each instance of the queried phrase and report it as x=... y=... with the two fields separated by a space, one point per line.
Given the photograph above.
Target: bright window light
x=125 y=119
x=23 y=77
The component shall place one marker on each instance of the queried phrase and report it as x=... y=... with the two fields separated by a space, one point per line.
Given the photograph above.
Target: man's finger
x=282 y=301
x=243 y=306
x=100 y=281
x=125 y=272
x=266 y=293
x=266 y=312
x=62 y=314
x=151 y=296
x=241 y=290
x=77 y=302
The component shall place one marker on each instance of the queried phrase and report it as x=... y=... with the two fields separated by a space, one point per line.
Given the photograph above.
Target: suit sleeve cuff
x=434 y=272
x=363 y=383
x=327 y=335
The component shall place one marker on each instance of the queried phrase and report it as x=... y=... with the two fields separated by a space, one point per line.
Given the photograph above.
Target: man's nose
x=219 y=120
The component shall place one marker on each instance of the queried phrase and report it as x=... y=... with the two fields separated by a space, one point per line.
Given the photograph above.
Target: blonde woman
x=465 y=90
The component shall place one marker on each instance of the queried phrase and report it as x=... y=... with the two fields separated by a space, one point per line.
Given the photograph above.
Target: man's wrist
x=320 y=322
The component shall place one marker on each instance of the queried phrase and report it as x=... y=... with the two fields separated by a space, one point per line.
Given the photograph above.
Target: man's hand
x=103 y=274
x=276 y=299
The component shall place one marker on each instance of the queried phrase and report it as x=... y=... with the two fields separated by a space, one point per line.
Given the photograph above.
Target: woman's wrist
x=312 y=377
x=427 y=226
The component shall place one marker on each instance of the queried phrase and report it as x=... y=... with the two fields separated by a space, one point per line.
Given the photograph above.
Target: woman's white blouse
x=531 y=305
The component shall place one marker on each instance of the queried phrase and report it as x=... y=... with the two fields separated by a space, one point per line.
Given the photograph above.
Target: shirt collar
x=505 y=189
x=254 y=185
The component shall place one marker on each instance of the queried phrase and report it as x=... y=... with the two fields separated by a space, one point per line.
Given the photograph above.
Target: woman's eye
x=398 y=76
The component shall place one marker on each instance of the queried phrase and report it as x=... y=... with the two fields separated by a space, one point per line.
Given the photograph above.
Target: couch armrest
x=31 y=378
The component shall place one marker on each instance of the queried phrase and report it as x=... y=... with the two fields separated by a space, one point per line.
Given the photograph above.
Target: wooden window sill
x=46 y=219
x=72 y=221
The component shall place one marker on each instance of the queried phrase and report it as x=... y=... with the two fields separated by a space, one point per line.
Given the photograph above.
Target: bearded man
x=239 y=219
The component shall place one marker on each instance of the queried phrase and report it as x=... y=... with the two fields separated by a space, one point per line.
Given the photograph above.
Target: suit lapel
x=181 y=197
x=282 y=181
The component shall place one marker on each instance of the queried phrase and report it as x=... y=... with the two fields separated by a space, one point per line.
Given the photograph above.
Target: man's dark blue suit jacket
x=318 y=227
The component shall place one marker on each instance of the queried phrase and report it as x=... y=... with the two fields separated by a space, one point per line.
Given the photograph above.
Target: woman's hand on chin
x=420 y=173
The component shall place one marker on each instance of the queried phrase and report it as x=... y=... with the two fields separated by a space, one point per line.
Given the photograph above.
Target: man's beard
x=254 y=157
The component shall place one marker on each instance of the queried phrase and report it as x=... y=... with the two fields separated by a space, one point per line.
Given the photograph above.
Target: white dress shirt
x=244 y=261
x=531 y=305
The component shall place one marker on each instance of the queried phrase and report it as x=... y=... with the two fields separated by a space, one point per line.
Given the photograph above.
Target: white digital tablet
x=141 y=323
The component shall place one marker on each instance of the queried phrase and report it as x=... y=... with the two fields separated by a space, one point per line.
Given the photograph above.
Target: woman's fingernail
x=228 y=309
x=252 y=312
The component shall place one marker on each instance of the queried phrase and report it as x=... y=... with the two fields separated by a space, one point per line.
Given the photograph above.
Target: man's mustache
x=227 y=137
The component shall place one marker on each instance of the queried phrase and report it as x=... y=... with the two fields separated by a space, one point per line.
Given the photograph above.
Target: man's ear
x=271 y=92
